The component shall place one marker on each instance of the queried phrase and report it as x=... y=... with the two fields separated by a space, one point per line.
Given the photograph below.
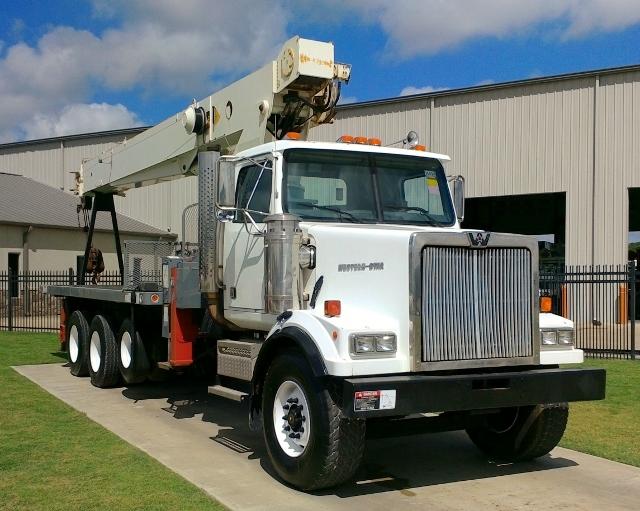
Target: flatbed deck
x=116 y=294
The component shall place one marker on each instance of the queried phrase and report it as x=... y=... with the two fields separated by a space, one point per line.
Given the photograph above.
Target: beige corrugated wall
x=51 y=163
x=532 y=138
x=618 y=161
x=535 y=137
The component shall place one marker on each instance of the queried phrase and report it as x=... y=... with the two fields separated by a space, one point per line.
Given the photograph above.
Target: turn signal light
x=332 y=308
x=545 y=304
x=292 y=135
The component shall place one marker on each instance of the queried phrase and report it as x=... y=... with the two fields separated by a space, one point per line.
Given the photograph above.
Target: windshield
x=362 y=187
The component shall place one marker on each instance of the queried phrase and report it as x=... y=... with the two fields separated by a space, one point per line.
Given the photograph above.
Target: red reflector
x=332 y=308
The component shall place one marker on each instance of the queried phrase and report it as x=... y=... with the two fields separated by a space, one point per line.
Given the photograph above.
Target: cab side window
x=254 y=191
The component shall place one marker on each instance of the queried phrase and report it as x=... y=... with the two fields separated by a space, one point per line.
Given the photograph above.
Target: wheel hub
x=295 y=418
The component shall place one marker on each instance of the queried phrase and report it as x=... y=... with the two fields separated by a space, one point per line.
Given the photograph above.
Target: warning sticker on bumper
x=365 y=400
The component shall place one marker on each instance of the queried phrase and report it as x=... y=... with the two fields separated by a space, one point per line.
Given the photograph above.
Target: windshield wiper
x=420 y=210
x=329 y=208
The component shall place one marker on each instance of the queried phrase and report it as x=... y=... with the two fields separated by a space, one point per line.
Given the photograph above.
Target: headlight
x=373 y=344
x=565 y=337
x=548 y=337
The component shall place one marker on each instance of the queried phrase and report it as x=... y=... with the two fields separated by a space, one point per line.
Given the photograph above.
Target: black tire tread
x=81 y=367
x=347 y=444
x=139 y=369
x=108 y=374
x=543 y=435
x=547 y=432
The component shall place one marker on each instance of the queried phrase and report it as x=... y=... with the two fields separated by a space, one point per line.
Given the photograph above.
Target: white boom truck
x=332 y=286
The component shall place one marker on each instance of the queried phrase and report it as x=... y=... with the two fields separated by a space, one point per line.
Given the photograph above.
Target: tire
x=78 y=344
x=521 y=434
x=133 y=362
x=103 y=354
x=330 y=446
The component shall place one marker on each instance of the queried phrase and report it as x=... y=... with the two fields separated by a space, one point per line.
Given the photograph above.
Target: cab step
x=237 y=359
x=228 y=393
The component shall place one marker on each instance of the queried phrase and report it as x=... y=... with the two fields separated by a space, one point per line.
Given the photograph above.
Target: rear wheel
x=103 y=354
x=133 y=362
x=310 y=444
x=521 y=434
x=77 y=344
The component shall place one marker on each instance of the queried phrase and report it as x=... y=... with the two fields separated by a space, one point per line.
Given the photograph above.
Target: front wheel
x=310 y=444
x=521 y=434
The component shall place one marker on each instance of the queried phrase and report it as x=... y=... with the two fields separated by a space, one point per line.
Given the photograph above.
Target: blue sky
x=78 y=66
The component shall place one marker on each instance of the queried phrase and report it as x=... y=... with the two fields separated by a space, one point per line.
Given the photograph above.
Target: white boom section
x=243 y=115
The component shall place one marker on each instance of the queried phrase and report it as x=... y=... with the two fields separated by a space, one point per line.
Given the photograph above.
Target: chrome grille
x=477 y=303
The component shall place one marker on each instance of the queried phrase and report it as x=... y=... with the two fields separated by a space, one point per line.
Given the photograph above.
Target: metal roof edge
x=77 y=136
x=491 y=86
x=161 y=234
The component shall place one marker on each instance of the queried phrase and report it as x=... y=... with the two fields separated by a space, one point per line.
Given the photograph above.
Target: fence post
x=71 y=282
x=632 y=306
x=10 y=299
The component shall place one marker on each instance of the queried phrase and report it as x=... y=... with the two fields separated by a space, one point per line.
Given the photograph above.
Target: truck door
x=243 y=248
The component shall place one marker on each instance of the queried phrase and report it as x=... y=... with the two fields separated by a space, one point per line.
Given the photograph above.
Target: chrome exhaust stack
x=282 y=241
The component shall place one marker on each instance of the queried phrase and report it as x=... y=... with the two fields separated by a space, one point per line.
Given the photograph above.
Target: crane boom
x=295 y=92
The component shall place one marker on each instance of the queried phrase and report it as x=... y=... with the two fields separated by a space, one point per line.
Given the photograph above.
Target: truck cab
x=366 y=215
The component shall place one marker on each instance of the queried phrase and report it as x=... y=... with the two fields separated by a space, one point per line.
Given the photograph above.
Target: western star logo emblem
x=479 y=239
x=360 y=267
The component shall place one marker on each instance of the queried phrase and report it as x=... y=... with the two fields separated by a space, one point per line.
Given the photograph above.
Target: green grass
x=54 y=458
x=609 y=428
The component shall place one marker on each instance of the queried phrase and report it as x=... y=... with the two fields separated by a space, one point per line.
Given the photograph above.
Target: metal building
x=557 y=157
x=574 y=138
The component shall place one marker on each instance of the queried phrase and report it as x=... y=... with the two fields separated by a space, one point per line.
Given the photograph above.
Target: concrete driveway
x=206 y=440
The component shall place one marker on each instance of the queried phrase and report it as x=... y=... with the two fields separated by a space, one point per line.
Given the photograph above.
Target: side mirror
x=456 y=185
x=226 y=184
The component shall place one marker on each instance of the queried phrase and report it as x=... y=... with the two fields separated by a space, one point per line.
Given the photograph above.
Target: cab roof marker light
x=345 y=139
x=292 y=135
x=374 y=141
x=360 y=140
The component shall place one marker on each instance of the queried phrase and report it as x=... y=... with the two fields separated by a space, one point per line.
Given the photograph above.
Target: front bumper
x=400 y=395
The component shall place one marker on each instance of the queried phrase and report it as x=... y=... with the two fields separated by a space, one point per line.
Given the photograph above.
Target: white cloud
x=80 y=118
x=411 y=90
x=345 y=100
x=156 y=46
x=417 y=27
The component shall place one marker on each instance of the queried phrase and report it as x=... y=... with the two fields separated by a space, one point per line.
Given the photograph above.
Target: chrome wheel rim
x=74 y=345
x=291 y=419
x=126 y=355
x=95 y=352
